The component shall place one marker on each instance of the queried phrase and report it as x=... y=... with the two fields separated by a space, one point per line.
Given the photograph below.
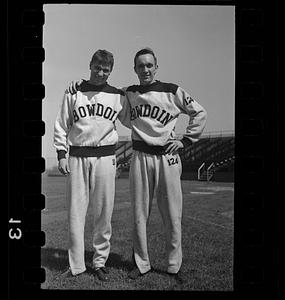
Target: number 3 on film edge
x=15 y=233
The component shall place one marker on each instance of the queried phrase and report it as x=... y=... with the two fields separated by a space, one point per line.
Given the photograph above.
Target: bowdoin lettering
x=154 y=112
x=94 y=110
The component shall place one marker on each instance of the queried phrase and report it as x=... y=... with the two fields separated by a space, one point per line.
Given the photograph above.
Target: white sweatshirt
x=87 y=118
x=155 y=109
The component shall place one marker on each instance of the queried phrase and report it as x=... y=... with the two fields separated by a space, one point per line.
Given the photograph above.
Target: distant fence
x=221 y=133
x=212 y=134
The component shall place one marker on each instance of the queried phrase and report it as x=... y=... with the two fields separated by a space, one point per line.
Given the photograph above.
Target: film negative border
x=25 y=164
x=32 y=57
x=256 y=150
x=256 y=67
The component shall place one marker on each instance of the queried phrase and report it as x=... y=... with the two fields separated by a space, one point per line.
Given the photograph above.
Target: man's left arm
x=197 y=116
x=197 y=121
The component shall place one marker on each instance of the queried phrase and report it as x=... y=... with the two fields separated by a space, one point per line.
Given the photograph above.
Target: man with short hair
x=156 y=165
x=85 y=128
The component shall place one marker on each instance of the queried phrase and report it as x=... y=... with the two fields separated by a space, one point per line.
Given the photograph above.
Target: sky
x=194 y=45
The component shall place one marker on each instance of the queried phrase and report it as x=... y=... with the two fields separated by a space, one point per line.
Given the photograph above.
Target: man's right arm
x=63 y=166
x=61 y=128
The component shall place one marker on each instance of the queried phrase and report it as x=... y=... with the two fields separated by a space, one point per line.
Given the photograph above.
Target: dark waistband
x=83 y=151
x=144 y=147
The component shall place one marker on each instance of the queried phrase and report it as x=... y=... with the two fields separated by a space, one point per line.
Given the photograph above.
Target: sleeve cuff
x=61 y=154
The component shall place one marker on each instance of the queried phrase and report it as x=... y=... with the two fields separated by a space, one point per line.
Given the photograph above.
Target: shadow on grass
x=57 y=260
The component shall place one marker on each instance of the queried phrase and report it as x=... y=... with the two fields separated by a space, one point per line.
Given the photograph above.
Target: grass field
x=207 y=240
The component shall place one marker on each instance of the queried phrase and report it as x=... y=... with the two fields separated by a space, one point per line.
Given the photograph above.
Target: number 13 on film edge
x=15 y=232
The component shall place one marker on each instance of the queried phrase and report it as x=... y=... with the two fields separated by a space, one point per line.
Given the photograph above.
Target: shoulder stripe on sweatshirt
x=106 y=88
x=156 y=86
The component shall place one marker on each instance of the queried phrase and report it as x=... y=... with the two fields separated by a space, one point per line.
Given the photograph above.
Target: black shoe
x=179 y=277
x=135 y=274
x=67 y=274
x=101 y=274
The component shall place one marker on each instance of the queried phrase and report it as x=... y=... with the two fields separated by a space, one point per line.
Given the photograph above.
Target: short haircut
x=103 y=56
x=143 y=51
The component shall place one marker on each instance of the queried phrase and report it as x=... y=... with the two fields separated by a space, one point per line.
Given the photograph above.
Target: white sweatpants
x=91 y=183
x=161 y=173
